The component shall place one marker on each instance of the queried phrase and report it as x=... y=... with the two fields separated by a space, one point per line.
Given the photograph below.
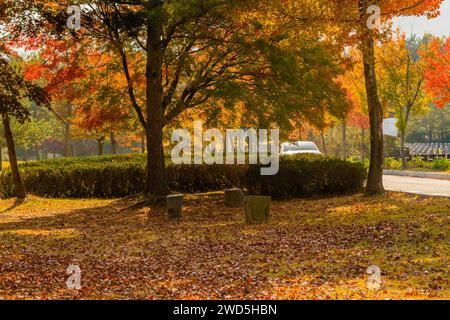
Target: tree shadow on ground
x=17 y=202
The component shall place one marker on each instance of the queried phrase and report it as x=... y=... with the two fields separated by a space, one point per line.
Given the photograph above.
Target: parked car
x=299 y=147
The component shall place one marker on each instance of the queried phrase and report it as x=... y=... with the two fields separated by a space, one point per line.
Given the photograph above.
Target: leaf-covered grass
x=311 y=249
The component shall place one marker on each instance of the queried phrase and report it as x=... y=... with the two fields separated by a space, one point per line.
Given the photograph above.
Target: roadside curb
x=417 y=174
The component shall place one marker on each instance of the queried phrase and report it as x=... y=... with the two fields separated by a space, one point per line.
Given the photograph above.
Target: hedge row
x=118 y=176
x=306 y=176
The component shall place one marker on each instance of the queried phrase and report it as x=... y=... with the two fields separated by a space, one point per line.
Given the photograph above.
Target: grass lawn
x=311 y=249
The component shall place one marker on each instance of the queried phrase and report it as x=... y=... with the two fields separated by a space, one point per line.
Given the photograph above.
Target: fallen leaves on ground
x=310 y=249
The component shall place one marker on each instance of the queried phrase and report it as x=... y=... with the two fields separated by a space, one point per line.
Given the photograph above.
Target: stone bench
x=175 y=206
x=257 y=209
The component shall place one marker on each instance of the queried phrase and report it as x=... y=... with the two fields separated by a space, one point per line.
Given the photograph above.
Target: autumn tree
x=189 y=48
x=401 y=75
x=342 y=112
x=191 y=52
x=301 y=90
x=437 y=73
x=353 y=22
x=102 y=110
x=57 y=66
x=354 y=84
x=14 y=90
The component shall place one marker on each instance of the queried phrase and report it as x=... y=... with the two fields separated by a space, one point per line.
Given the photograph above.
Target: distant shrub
x=440 y=164
x=391 y=163
x=418 y=163
x=117 y=176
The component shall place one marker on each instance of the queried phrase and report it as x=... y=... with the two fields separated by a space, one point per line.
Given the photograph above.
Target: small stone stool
x=257 y=209
x=234 y=198
x=175 y=206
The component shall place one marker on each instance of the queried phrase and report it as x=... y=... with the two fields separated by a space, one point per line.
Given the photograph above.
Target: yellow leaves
x=52 y=6
x=54 y=233
x=411 y=7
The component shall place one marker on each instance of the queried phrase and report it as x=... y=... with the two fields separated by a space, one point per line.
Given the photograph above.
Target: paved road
x=431 y=187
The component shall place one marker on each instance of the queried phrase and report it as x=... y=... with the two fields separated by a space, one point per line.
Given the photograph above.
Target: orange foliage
x=438 y=72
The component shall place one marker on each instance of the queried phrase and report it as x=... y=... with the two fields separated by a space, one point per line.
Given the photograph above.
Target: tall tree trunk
x=375 y=179
x=324 y=146
x=402 y=150
x=403 y=136
x=73 y=148
x=19 y=188
x=1 y=158
x=113 y=143
x=363 y=145
x=67 y=140
x=344 y=140
x=156 y=182
x=37 y=152
x=100 y=146
x=143 y=143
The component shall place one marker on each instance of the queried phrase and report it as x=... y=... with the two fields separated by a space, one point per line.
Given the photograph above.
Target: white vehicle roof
x=299 y=146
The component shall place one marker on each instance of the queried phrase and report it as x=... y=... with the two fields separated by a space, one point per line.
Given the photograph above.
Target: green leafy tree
x=14 y=91
x=401 y=79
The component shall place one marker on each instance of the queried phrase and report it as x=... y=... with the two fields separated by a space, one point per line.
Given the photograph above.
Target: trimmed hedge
x=122 y=175
x=308 y=175
x=205 y=178
x=79 y=180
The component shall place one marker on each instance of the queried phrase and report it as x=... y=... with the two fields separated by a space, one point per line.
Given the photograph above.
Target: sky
x=439 y=26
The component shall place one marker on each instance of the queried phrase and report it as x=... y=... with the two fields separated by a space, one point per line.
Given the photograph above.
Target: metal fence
x=429 y=151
